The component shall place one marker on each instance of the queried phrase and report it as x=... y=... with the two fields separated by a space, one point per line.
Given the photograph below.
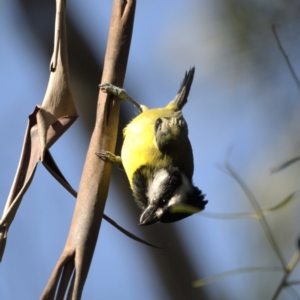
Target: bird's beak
x=148 y=217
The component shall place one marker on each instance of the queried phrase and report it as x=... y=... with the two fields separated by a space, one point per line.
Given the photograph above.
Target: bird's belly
x=139 y=146
x=139 y=150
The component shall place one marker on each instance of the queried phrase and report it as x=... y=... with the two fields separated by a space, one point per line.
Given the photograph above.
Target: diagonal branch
x=287 y=60
x=93 y=189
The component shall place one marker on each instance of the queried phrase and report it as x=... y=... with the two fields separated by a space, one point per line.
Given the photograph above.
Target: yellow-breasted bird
x=158 y=159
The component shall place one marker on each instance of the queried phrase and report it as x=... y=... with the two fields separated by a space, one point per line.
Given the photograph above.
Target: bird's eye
x=163 y=201
x=158 y=124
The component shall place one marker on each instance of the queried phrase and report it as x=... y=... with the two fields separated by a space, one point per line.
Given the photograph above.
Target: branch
x=287 y=272
x=287 y=60
x=78 y=252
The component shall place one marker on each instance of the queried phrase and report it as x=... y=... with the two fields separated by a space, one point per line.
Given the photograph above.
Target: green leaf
x=283 y=203
x=285 y=164
x=208 y=280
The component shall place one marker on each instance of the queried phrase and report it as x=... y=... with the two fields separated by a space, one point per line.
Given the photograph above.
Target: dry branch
x=77 y=255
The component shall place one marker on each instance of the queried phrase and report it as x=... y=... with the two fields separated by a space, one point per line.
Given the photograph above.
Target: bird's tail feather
x=184 y=90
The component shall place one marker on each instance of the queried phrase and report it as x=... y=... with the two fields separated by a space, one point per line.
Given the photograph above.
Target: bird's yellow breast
x=139 y=146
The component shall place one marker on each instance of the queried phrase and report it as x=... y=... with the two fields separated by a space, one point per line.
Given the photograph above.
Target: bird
x=157 y=157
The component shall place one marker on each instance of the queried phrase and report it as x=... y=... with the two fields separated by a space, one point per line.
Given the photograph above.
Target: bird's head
x=167 y=189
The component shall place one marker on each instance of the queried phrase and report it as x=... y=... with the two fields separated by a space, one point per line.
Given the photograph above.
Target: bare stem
x=287 y=60
x=95 y=178
x=288 y=270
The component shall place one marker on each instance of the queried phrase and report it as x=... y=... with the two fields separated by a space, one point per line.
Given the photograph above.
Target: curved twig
x=287 y=60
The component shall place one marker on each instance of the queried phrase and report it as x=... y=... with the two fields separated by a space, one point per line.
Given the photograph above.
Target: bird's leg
x=121 y=94
x=110 y=157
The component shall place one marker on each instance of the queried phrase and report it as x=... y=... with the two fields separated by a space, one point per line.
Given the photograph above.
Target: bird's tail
x=183 y=93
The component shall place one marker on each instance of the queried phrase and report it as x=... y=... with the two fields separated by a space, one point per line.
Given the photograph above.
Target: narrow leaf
x=32 y=152
x=285 y=164
x=129 y=234
x=209 y=280
x=290 y=198
x=46 y=124
x=213 y=215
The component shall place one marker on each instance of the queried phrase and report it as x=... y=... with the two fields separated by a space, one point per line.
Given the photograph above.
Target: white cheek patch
x=159 y=212
x=180 y=194
x=156 y=186
x=176 y=199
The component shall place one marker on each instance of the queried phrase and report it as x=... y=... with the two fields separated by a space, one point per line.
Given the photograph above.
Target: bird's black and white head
x=158 y=191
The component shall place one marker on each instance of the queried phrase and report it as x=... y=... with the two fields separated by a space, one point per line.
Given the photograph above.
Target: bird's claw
x=105 y=156
x=114 y=90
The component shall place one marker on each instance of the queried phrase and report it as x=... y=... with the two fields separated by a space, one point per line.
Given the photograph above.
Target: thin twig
x=285 y=56
x=209 y=280
x=292 y=292
x=258 y=212
x=288 y=270
x=294 y=282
